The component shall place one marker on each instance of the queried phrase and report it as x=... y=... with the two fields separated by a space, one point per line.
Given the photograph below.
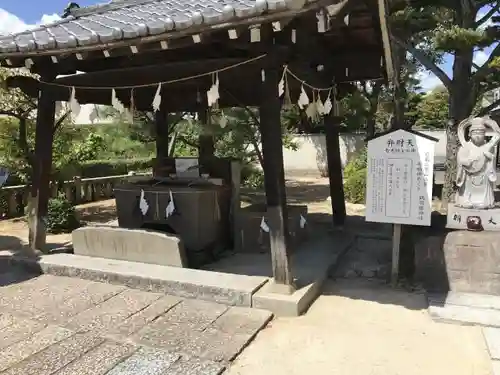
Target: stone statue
x=476 y=164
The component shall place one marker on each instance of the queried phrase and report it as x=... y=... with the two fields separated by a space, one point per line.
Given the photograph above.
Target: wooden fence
x=13 y=199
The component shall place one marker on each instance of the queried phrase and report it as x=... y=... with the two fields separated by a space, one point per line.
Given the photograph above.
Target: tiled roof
x=128 y=19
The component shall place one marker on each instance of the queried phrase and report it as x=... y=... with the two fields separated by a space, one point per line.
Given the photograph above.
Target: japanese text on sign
x=399 y=178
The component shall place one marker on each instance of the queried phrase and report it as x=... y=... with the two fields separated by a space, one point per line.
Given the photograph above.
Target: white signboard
x=399 y=179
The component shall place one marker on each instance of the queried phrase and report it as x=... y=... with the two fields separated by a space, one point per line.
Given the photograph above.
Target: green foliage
x=358 y=163
x=355 y=178
x=355 y=187
x=113 y=167
x=432 y=111
x=61 y=217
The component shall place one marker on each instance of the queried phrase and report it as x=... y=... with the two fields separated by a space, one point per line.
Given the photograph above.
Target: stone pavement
x=52 y=325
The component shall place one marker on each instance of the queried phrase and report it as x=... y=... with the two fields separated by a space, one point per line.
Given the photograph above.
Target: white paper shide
x=399 y=179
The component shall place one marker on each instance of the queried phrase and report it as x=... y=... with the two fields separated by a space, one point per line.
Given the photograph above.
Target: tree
x=432 y=110
x=459 y=28
x=19 y=132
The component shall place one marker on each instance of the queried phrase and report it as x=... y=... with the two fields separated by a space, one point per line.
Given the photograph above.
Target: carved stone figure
x=476 y=170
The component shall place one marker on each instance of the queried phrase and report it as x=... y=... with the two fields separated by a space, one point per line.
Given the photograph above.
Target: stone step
x=225 y=288
x=481 y=301
x=465 y=315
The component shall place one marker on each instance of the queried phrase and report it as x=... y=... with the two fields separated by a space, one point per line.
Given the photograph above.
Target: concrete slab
x=220 y=287
x=492 y=338
x=134 y=245
x=482 y=301
x=465 y=315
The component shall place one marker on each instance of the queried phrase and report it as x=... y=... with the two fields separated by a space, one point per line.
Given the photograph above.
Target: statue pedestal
x=472 y=262
x=457 y=218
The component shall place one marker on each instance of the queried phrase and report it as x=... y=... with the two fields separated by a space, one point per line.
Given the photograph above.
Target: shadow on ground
x=375 y=291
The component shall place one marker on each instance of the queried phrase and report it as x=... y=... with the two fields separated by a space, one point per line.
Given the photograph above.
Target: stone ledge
x=229 y=289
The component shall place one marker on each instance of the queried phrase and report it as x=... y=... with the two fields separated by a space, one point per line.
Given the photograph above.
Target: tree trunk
x=461 y=104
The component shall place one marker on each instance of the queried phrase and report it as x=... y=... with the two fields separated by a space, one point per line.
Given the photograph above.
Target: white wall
x=310 y=157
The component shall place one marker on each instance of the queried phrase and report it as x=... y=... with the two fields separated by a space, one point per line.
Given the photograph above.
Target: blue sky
x=17 y=15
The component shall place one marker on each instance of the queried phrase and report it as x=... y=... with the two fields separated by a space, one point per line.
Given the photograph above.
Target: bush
x=355 y=186
x=355 y=176
x=101 y=168
x=356 y=164
x=61 y=216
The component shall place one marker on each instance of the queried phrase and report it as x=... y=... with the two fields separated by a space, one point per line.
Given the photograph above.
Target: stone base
x=134 y=245
x=457 y=217
x=473 y=262
x=459 y=261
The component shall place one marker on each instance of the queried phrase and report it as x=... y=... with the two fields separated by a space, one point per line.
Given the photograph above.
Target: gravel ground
x=360 y=327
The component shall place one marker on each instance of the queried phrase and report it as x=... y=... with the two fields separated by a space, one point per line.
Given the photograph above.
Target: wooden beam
x=40 y=193
x=274 y=176
x=337 y=198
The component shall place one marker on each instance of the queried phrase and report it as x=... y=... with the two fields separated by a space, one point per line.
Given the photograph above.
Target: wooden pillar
x=274 y=175
x=40 y=193
x=162 y=136
x=332 y=122
x=206 y=143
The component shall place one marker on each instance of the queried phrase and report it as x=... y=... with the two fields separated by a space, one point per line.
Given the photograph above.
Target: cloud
x=10 y=23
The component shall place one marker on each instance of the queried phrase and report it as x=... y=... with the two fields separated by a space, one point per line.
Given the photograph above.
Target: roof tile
x=124 y=19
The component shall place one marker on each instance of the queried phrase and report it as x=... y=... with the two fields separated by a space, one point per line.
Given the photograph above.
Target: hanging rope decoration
x=313 y=108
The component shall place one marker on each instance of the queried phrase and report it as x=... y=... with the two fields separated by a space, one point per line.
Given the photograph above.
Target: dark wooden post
x=206 y=143
x=337 y=198
x=40 y=193
x=274 y=175
x=162 y=136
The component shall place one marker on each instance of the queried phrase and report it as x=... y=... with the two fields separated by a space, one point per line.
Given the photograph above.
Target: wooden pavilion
x=124 y=49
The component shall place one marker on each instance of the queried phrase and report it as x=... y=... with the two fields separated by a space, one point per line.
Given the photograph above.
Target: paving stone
x=33 y=296
x=56 y=356
x=93 y=294
x=146 y=361
x=193 y=314
x=39 y=341
x=112 y=312
x=99 y=360
x=21 y=329
x=218 y=346
x=242 y=320
x=210 y=344
x=195 y=366
x=492 y=337
x=143 y=317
